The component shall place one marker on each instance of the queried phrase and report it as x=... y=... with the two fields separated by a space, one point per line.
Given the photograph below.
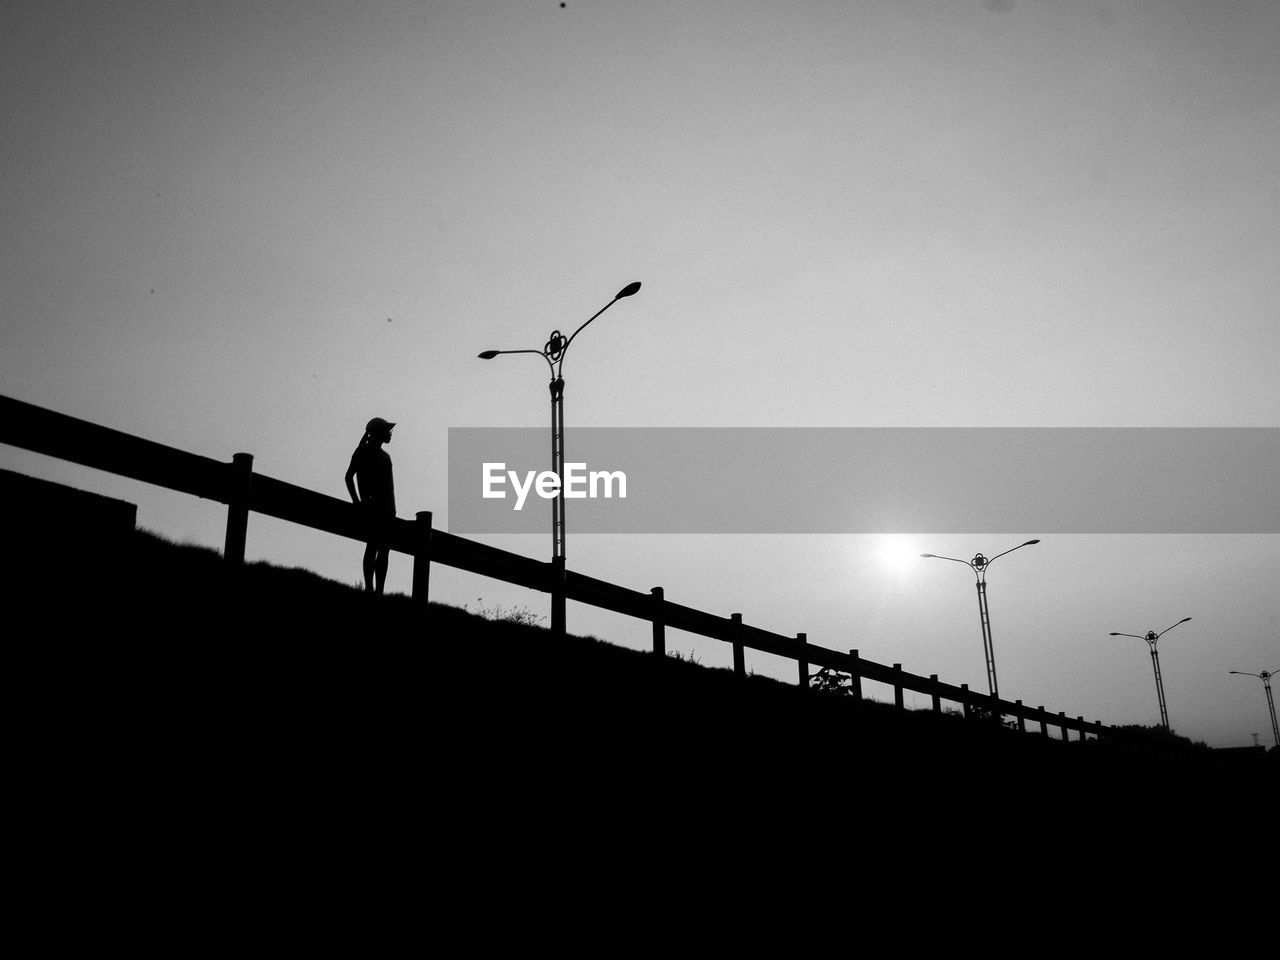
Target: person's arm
x=350 y=479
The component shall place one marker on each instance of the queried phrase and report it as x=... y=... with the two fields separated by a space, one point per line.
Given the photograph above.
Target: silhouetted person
x=371 y=470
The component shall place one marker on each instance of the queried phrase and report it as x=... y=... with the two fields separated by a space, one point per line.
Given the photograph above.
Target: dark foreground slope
x=277 y=712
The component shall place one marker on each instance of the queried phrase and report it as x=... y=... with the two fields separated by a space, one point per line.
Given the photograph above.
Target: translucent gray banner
x=873 y=480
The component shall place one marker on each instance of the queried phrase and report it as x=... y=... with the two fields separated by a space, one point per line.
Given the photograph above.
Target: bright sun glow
x=898 y=552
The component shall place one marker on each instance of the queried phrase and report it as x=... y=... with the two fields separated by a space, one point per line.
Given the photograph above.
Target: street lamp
x=1265 y=677
x=979 y=565
x=1151 y=638
x=553 y=351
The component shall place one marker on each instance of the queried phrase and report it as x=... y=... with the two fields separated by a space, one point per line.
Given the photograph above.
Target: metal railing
x=244 y=491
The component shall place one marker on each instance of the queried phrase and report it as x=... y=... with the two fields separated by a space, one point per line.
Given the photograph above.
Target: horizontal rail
x=463 y=554
x=79 y=441
x=285 y=501
x=608 y=596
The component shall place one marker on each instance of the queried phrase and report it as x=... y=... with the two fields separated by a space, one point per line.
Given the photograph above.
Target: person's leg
x=383 y=554
x=370 y=558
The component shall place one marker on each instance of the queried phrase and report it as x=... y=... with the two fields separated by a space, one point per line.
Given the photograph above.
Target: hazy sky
x=243 y=226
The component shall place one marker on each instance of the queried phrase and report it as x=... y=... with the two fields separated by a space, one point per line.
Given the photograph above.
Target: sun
x=898 y=552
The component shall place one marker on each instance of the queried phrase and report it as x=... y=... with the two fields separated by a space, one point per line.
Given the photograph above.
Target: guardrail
x=244 y=491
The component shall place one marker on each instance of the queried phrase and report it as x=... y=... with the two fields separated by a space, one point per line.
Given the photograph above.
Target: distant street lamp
x=1151 y=638
x=979 y=565
x=553 y=351
x=1265 y=677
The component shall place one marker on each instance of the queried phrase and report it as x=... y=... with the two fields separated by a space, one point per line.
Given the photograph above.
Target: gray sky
x=240 y=226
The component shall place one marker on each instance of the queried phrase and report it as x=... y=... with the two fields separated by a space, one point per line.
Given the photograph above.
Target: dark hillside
x=280 y=708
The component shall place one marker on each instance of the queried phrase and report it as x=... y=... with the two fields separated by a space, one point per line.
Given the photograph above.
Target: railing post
x=1044 y=721
x=240 y=479
x=1080 y=720
x=897 y=686
x=802 y=666
x=855 y=679
x=937 y=697
x=739 y=654
x=659 y=623
x=1022 y=721
x=1062 y=722
x=422 y=560
x=964 y=699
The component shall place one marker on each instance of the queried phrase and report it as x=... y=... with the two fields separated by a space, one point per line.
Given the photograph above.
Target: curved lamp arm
x=1010 y=550
x=490 y=354
x=1167 y=629
x=629 y=290
x=934 y=556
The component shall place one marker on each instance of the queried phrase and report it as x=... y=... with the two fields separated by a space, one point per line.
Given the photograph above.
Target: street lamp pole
x=1151 y=637
x=979 y=565
x=1265 y=677
x=553 y=352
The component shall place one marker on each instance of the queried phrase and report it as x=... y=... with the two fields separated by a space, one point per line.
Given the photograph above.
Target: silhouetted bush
x=1160 y=736
x=831 y=682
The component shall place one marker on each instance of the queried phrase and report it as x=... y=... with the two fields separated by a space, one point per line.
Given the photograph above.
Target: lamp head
x=629 y=290
x=487 y=354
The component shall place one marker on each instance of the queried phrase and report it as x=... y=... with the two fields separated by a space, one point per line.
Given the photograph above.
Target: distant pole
x=1265 y=676
x=803 y=665
x=554 y=351
x=1152 y=637
x=980 y=564
x=558 y=574
x=1155 y=665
